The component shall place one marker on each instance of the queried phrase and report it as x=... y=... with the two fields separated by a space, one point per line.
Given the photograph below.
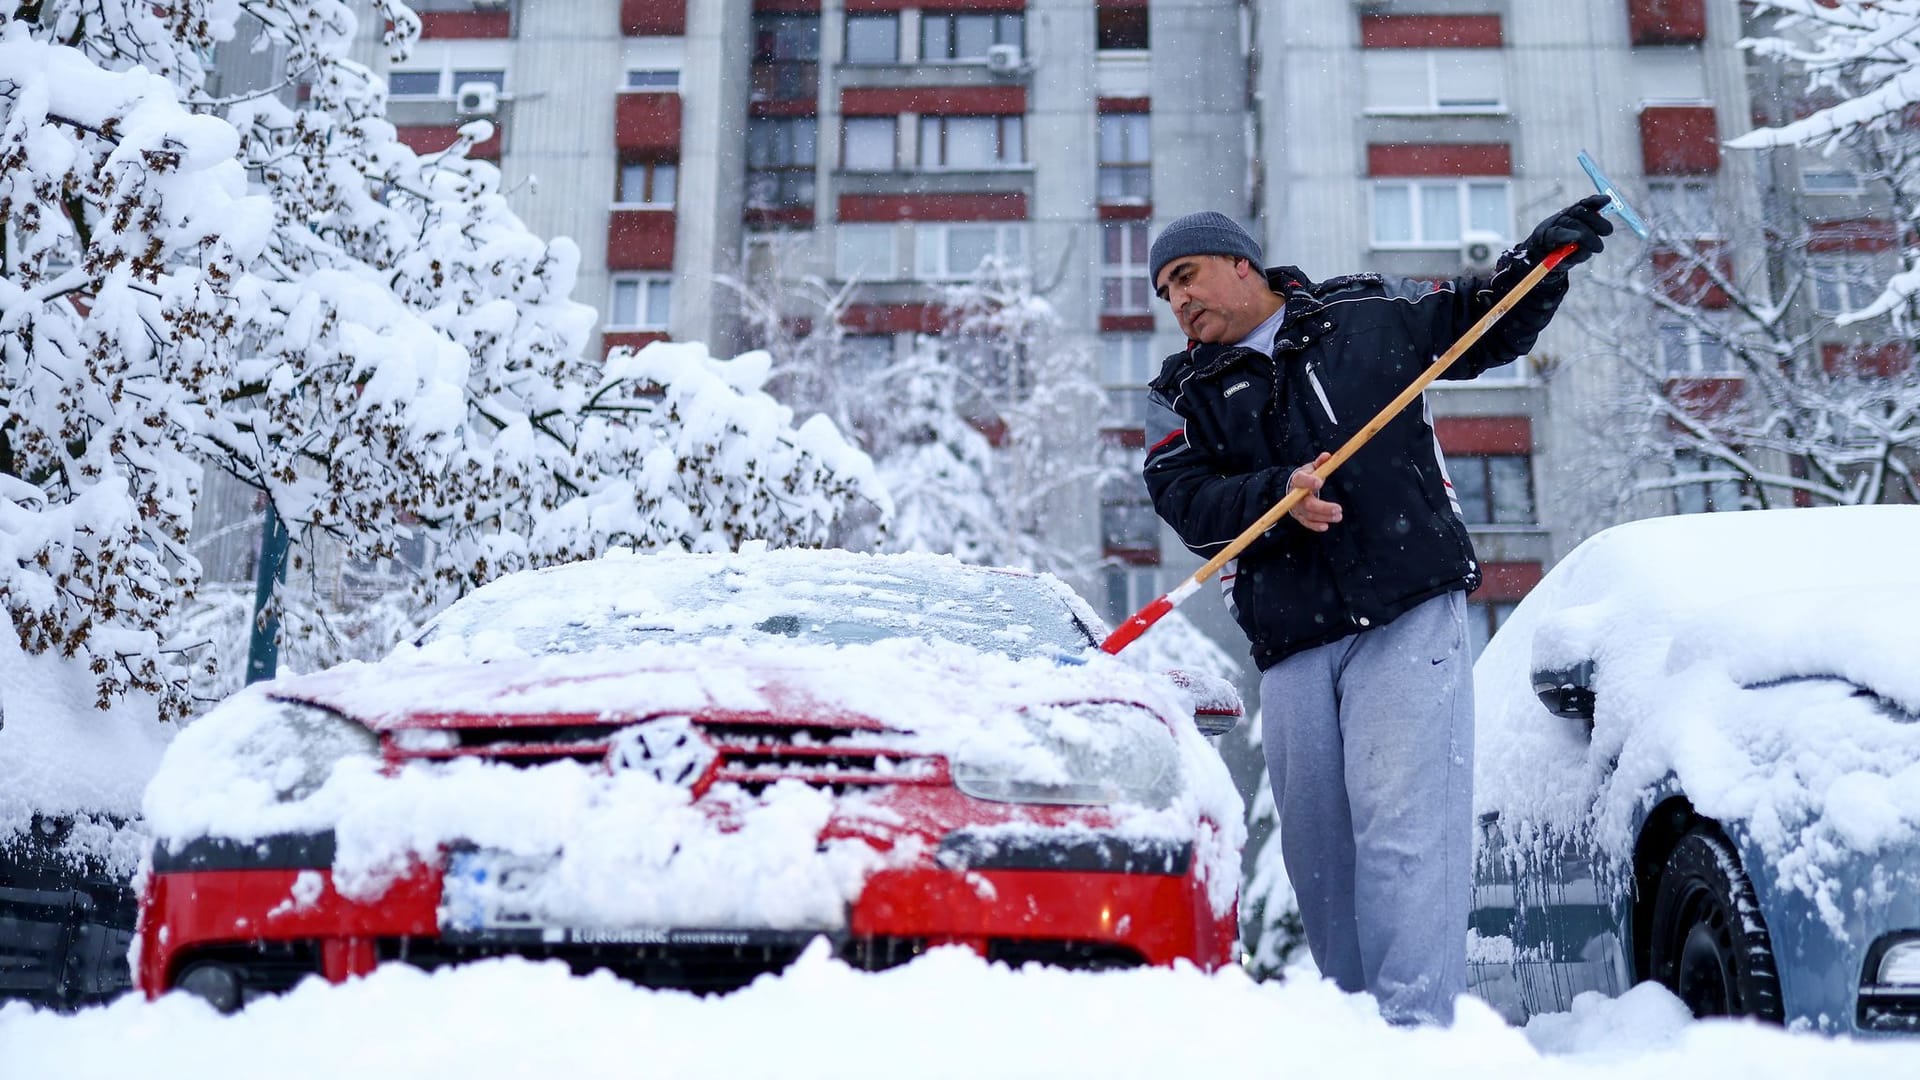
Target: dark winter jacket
x=1231 y=424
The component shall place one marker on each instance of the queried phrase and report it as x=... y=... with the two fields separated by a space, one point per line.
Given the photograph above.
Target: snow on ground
x=946 y=1014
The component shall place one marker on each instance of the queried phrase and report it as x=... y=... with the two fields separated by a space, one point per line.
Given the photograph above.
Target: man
x=1356 y=604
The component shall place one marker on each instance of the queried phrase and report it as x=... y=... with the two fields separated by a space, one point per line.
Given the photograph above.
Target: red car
x=683 y=768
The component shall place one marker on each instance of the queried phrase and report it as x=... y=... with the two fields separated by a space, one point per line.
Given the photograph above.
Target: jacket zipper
x=1313 y=379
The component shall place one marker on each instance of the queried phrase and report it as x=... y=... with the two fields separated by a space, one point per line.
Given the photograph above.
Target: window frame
x=1675 y=199
x=1738 y=487
x=1137 y=586
x=1844 y=272
x=1436 y=81
x=844 y=233
x=869 y=17
x=942 y=124
x=1118 y=20
x=1128 y=274
x=782 y=143
x=642 y=283
x=627 y=85
x=1123 y=166
x=935 y=235
x=951 y=19
x=1696 y=342
x=450 y=79
x=651 y=181
x=1465 y=464
x=847 y=126
x=1463 y=186
x=1126 y=367
x=1127 y=514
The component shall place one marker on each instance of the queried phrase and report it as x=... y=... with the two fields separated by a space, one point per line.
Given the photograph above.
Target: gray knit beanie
x=1204 y=233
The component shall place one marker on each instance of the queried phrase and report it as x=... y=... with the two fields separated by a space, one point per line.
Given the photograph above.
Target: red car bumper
x=266 y=928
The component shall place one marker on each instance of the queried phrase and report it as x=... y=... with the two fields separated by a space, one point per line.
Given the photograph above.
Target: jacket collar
x=1294 y=287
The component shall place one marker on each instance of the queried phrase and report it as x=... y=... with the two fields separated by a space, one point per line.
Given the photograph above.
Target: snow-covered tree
x=372 y=339
x=981 y=433
x=1859 y=62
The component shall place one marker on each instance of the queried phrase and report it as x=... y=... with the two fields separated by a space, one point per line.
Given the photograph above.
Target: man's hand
x=1580 y=225
x=1313 y=511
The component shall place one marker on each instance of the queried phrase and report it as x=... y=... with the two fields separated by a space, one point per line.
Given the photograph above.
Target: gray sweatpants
x=1369 y=744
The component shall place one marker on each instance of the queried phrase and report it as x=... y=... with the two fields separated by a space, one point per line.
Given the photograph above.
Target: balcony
x=647 y=123
x=653 y=18
x=640 y=240
x=785 y=87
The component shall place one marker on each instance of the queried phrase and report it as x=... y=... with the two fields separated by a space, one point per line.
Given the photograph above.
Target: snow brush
x=1139 y=621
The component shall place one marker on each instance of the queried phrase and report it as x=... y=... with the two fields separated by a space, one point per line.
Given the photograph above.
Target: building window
x=1689 y=349
x=866 y=355
x=640 y=302
x=966 y=38
x=971 y=142
x=868 y=144
x=786 y=57
x=955 y=252
x=654 y=79
x=1842 y=283
x=647 y=183
x=1830 y=181
x=1124 y=288
x=1684 y=207
x=1120 y=28
x=1433 y=213
x=444 y=83
x=1705 y=485
x=1126 y=157
x=780 y=160
x=1126 y=366
x=1434 y=80
x=1493 y=489
x=864 y=252
x=1129 y=588
x=873 y=39
x=1484 y=618
x=1128 y=525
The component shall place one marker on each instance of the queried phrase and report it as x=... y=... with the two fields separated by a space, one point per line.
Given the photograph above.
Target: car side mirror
x=1216 y=704
x=1567 y=691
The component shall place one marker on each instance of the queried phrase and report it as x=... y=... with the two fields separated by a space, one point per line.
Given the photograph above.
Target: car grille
x=753 y=751
x=1889 y=1010
x=700 y=968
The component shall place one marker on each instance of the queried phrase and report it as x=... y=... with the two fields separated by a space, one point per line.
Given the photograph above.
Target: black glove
x=1580 y=225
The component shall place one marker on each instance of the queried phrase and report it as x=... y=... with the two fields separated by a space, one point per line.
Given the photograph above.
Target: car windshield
x=814 y=597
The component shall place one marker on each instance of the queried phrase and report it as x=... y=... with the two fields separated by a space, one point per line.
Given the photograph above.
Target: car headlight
x=1084 y=755
x=295 y=750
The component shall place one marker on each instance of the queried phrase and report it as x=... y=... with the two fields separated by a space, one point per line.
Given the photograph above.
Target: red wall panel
x=653 y=18
x=647 y=123
x=1484 y=434
x=934 y=100
x=1679 y=140
x=984 y=206
x=1430 y=32
x=1667 y=22
x=640 y=240
x=1439 y=159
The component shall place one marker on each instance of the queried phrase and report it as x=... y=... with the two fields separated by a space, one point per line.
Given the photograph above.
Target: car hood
x=900 y=685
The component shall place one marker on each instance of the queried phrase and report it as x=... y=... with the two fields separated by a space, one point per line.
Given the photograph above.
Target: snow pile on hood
x=1727 y=649
x=730 y=858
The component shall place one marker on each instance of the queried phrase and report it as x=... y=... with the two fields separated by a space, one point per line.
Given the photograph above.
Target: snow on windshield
x=598 y=832
x=834 y=597
x=1764 y=658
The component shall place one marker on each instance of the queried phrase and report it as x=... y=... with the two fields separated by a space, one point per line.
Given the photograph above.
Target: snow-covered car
x=71 y=776
x=1699 y=763
x=683 y=768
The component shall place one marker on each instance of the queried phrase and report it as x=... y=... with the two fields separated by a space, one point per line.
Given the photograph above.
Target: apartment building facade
x=897 y=142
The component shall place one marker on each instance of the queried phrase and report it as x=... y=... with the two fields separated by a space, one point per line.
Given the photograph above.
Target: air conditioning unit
x=1004 y=59
x=477 y=99
x=1480 y=249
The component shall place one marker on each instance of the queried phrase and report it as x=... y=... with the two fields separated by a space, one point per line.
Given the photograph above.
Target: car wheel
x=1709 y=944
